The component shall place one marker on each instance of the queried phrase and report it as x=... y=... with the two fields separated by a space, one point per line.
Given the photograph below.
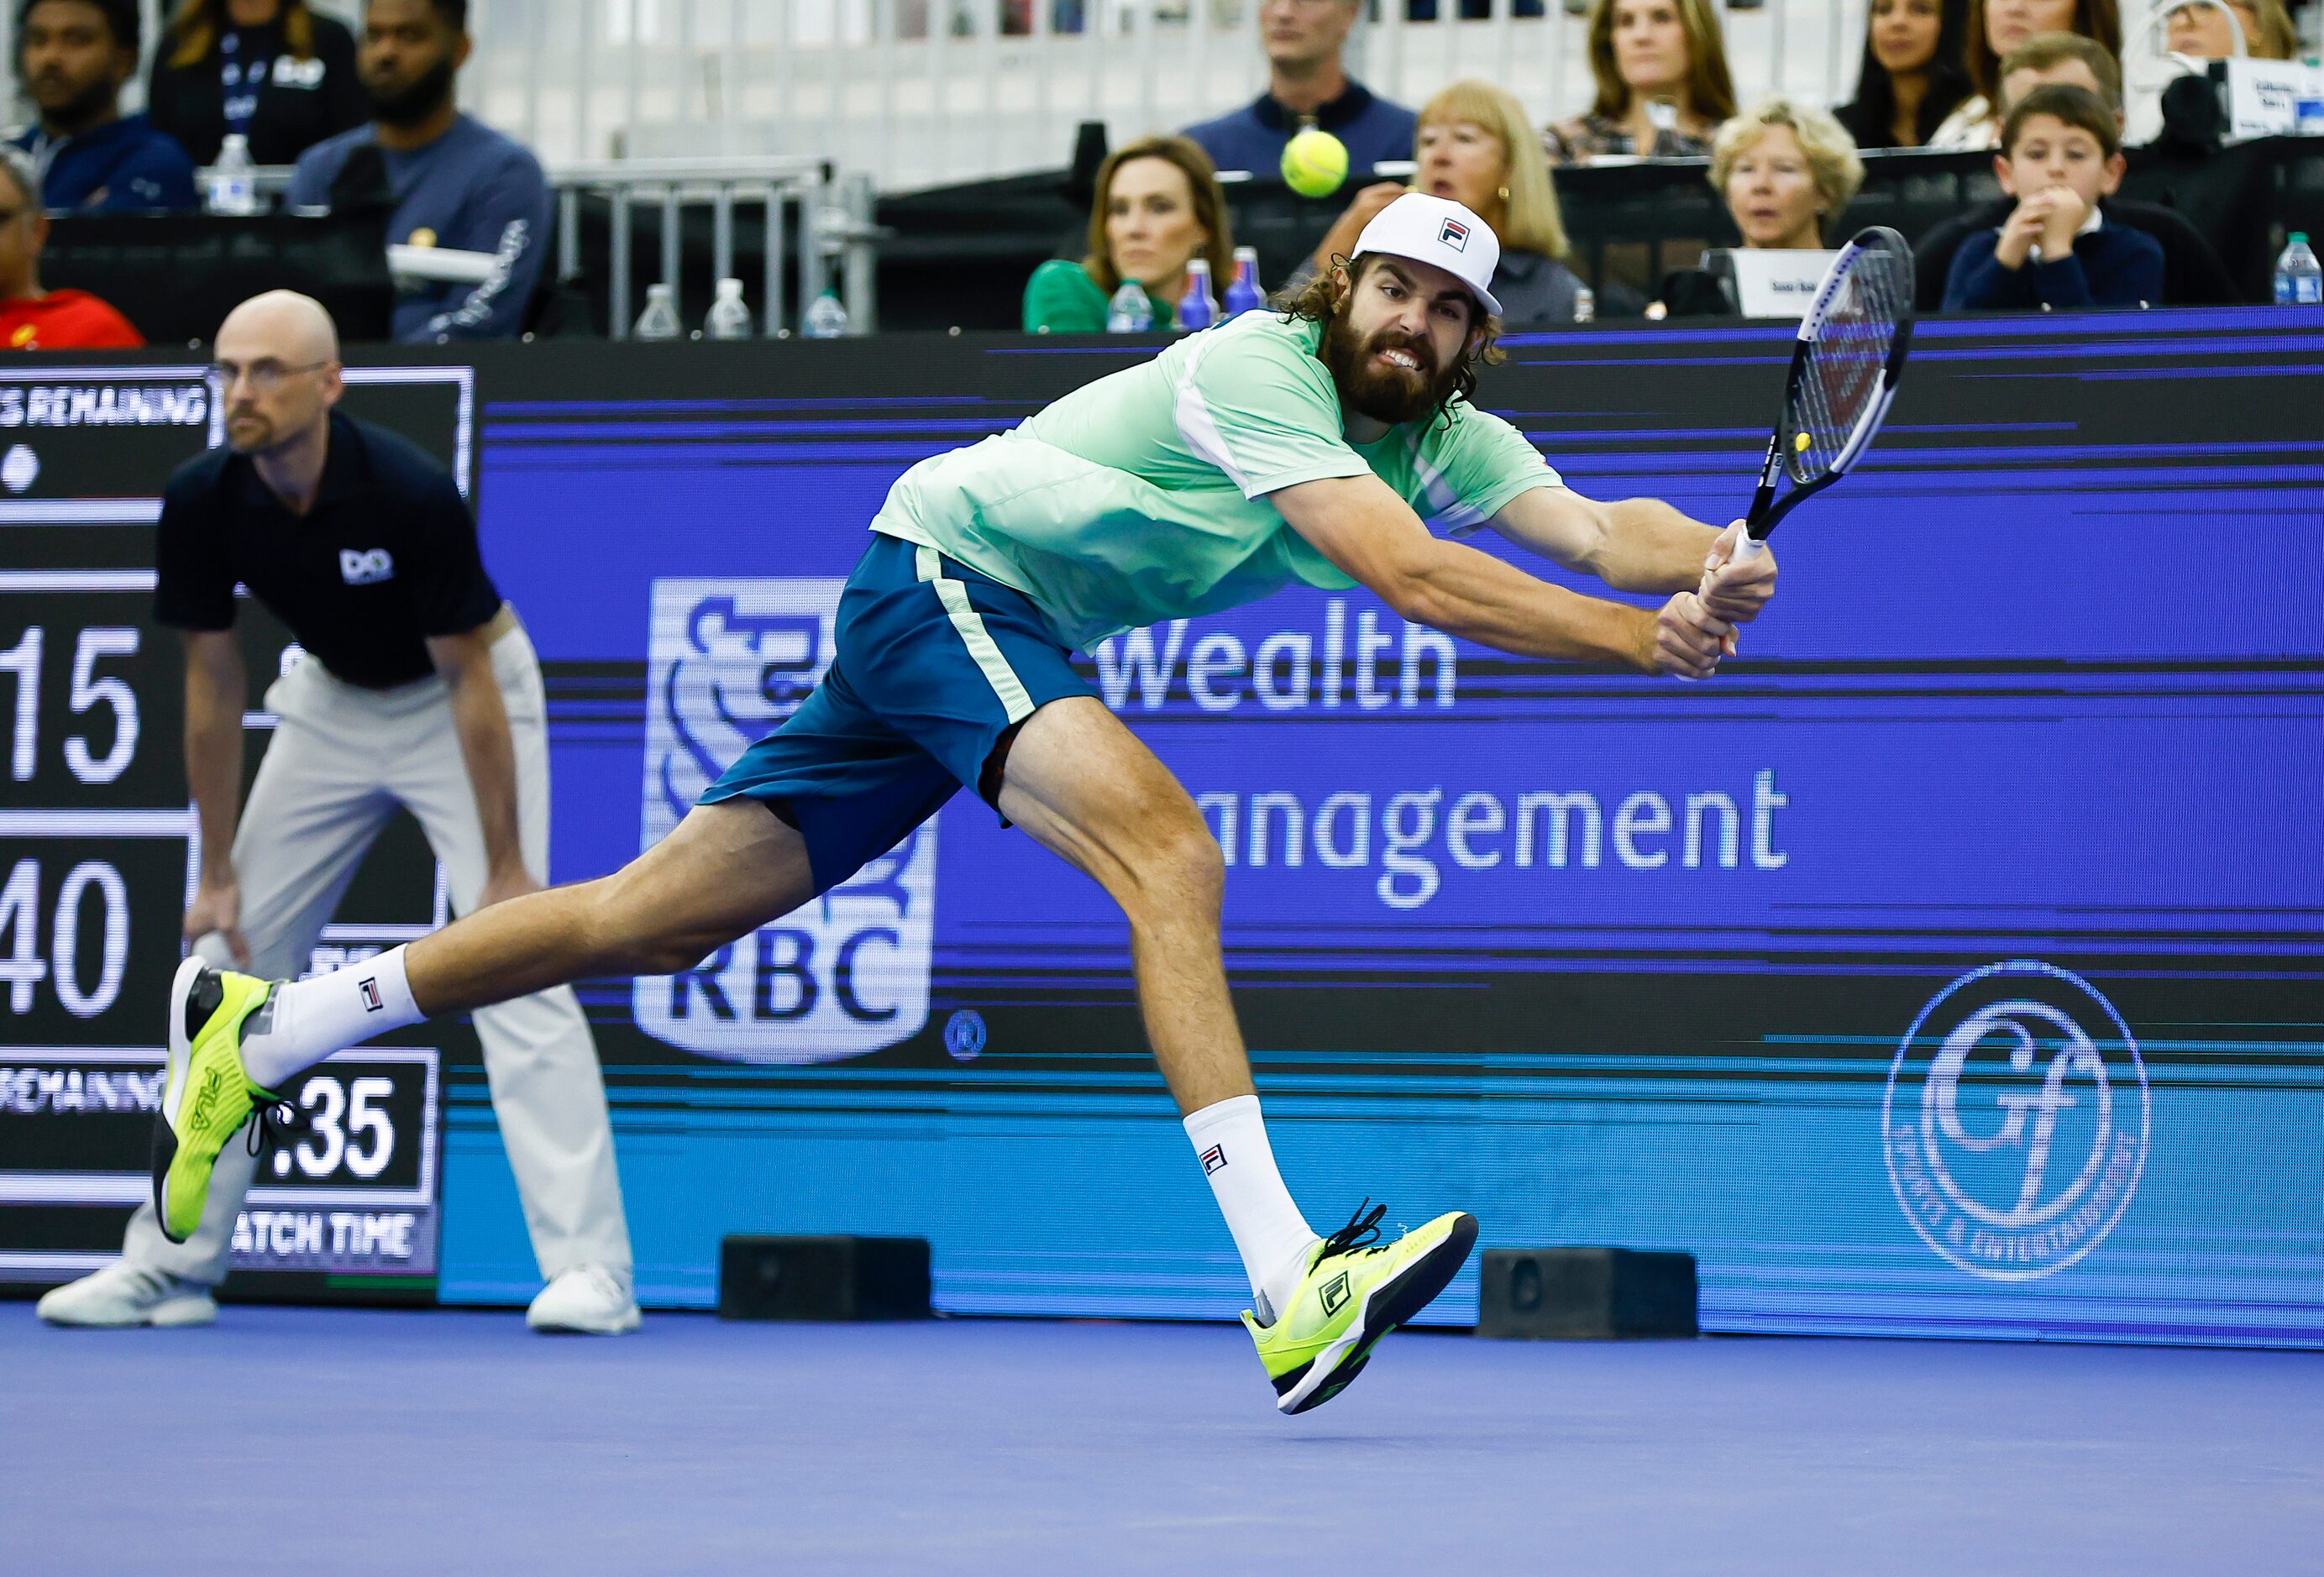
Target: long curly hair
x=1318 y=299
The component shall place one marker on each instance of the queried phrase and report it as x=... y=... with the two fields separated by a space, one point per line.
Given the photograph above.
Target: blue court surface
x=309 y=1441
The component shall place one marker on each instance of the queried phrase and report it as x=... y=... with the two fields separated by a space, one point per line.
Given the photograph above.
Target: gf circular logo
x=2016 y=1119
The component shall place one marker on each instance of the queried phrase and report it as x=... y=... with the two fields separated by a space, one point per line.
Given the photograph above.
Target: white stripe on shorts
x=954 y=596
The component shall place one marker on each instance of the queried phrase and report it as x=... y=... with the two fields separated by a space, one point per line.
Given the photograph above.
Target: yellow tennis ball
x=1800 y=441
x=1314 y=163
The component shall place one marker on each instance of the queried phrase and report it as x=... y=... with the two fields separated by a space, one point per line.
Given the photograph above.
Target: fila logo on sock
x=1213 y=1158
x=357 y=567
x=370 y=989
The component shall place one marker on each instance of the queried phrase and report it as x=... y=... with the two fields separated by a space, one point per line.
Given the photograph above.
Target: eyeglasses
x=265 y=375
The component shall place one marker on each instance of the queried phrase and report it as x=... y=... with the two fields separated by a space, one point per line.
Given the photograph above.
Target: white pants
x=343 y=759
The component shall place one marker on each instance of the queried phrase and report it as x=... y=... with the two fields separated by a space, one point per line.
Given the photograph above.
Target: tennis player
x=1301 y=448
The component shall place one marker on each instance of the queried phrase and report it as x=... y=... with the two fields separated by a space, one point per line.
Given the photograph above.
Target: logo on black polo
x=1335 y=1293
x=1454 y=235
x=2016 y=1121
x=358 y=567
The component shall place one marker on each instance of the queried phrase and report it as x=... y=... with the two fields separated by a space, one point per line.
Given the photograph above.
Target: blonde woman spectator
x=1663 y=84
x=1997 y=28
x=1476 y=147
x=1158 y=207
x=2201 y=29
x=1786 y=169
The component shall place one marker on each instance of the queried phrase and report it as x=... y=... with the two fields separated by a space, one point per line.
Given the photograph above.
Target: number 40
x=21 y=966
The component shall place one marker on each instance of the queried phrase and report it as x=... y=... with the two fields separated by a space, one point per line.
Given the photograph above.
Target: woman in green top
x=1158 y=207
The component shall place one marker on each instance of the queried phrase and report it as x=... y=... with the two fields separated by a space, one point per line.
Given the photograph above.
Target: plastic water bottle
x=730 y=315
x=1130 y=312
x=659 y=319
x=2299 y=282
x=1197 y=308
x=234 y=187
x=825 y=318
x=1243 y=294
x=1585 y=304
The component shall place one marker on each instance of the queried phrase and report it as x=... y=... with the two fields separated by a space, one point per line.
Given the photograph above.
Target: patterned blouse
x=1591 y=137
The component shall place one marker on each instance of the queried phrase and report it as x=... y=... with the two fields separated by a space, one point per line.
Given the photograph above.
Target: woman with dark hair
x=1660 y=69
x=269 y=71
x=1996 y=28
x=1159 y=208
x=1914 y=73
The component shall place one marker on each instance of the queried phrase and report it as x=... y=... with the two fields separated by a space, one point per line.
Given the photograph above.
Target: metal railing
x=809 y=218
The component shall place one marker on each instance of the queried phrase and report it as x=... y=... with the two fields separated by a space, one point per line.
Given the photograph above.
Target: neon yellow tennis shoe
x=207 y=1097
x=1357 y=1290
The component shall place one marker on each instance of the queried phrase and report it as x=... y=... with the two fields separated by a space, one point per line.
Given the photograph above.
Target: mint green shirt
x=1143 y=497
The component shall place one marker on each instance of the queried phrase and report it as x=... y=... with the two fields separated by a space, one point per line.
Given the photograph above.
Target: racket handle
x=1747 y=549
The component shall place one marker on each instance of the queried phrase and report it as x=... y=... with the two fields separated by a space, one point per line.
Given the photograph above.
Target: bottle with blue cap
x=1197 y=308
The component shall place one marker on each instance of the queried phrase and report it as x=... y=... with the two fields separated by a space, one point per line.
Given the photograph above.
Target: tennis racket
x=1845 y=365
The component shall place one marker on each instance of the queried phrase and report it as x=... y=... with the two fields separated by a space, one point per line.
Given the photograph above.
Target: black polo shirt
x=386 y=558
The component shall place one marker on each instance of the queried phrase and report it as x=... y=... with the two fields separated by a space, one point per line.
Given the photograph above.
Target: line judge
x=419 y=689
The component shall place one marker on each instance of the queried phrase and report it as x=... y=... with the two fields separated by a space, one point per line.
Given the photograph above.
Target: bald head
x=278 y=368
x=291 y=329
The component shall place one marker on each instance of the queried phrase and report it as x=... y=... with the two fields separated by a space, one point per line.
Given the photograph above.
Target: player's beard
x=1385 y=394
x=248 y=433
x=412 y=105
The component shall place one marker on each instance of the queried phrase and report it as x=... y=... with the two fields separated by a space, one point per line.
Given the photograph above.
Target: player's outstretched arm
x=1361 y=526
x=1639 y=545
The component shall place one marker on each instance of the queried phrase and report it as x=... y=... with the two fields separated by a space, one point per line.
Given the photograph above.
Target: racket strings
x=1846 y=365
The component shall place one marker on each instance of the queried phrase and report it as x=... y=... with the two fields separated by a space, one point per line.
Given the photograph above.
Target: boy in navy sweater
x=2060 y=153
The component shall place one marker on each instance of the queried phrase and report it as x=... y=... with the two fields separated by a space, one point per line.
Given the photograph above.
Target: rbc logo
x=846 y=974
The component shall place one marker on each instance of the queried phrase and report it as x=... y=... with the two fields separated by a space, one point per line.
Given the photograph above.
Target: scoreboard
x=98 y=848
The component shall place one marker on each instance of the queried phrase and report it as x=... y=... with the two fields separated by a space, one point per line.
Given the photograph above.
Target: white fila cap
x=1438 y=230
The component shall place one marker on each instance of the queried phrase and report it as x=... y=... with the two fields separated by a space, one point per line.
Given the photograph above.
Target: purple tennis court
x=309 y=1441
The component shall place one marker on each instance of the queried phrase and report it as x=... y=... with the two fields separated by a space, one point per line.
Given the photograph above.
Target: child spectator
x=1663 y=84
x=2061 y=153
x=1998 y=27
x=1158 y=207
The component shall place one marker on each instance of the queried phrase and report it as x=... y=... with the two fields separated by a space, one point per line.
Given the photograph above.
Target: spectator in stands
x=272 y=71
x=1306 y=85
x=1998 y=27
x=72 y=58
x=2193 y=274
x=453 y=182
x=1915 y=73
x=32 y=318
x=1663 y=84
x=2061 y=154
x=1159 y=208
x=1786 y=171
x=2199 y=27
x=1476 y=146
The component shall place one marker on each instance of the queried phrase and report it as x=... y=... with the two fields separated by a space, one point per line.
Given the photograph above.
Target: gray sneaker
x=123 y=1294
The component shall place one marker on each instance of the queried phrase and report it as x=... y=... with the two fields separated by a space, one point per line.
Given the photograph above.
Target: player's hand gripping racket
x=1845 y=365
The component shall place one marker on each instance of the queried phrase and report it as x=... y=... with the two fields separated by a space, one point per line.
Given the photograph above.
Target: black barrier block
x=823 y=1279
x=1586 y=1294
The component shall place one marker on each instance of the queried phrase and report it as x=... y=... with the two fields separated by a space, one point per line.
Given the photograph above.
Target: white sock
x=1271 y=1235
x=309 y=1020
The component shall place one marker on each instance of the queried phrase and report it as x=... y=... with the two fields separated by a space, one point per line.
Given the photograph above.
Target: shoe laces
x=272 y=1122
x=1360 y=1236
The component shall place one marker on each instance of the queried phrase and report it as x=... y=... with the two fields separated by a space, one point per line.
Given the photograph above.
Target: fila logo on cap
x=370 y=989
x=1454 y=235
x=1213 y=1158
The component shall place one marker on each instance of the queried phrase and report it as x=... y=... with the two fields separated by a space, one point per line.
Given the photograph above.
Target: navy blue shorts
x=933 y=664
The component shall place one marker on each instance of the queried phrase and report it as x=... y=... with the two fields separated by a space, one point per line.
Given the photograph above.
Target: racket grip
x=1747 y=549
